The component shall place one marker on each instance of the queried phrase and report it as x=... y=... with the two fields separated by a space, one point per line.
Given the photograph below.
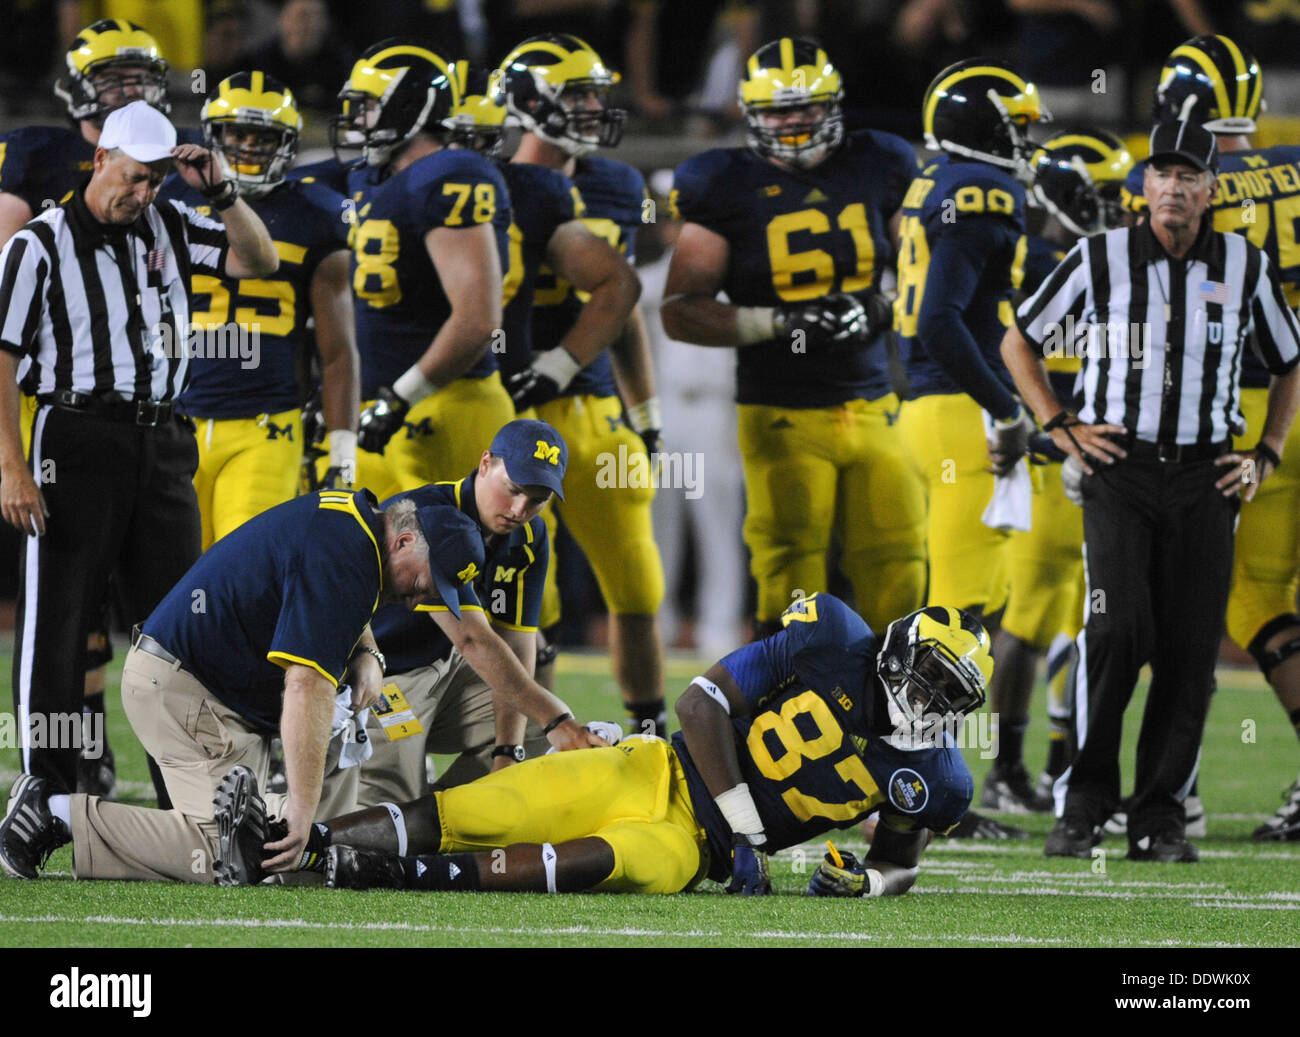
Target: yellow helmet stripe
x=258 y=85
x=787 y=54
x=1212 y=73
x=932 y=102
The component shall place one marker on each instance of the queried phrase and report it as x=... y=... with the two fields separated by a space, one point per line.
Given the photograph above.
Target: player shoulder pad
x=890 y=143
x=621 y=178
x=29 y=140
x=824 y=619
x=705 y=184
x=536 y=183
x=932 y=786
x=975 y=189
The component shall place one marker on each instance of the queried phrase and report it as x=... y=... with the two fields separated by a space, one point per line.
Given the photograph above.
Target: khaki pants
x=195 y=740
x=454 y=707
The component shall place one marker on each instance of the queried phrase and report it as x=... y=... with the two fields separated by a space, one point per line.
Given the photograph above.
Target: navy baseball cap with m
x=455 y=551
x=534 y=453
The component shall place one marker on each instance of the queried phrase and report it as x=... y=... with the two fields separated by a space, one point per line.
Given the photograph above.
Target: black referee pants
x=1158 y=556
x=121 y=500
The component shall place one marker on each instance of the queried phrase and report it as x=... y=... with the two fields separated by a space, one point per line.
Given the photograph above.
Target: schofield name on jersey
x=102 y=990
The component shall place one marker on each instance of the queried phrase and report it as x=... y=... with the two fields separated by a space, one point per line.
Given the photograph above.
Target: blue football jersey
x=307 y=221
x=798 y=234
x=400 y=304
x=1259 y=196
x=509 y=588
x=1041 y=258
x=961 y=255
x=546 y=199
x=811 y=750
x=615 y=197
x=42 y=165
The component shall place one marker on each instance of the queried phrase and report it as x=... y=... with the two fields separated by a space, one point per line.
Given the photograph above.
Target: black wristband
x=758 y=840
x=222 y=195
x=556 y=722
x=1268 y=453
x=515 y=752
x=1058 y=420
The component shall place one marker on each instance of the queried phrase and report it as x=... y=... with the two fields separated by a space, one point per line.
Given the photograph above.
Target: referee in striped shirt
x=1159 y=314
x=94 y=317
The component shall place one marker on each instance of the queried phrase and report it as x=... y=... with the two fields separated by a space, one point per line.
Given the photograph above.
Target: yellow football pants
x=443 y=437
x=1045 y=567
x=1266 y=559
x=246 y=465
x=633 y=796
x=944 y=438
x=813 y=472
x=609 y=516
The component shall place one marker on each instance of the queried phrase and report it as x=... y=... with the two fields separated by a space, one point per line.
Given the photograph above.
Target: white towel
x=348 y=731
x=1012 y=505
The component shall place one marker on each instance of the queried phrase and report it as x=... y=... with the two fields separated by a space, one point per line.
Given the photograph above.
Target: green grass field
x=1241 y=894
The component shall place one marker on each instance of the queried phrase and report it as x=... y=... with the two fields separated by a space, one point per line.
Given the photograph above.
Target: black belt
x=149 y=646
x=1170 y=453
x=149 y=413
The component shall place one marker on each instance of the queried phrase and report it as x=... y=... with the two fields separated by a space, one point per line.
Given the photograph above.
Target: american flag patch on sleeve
x=1215 y=291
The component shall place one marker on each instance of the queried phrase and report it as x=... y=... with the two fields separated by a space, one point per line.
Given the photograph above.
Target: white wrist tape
x=754 y=324
x=558 y=365
x=343 y=449
x=714 y=692
x=646 y=415
x=412 y=386
x=1015 y=419
x=548 y=862
x=875 y=883
x=399 y=822
x=737 y=806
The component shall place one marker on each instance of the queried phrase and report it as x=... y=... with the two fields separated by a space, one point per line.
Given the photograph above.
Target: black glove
x=381 y=420
x=530 y=388
x=333 y=479
x=1011 y=442
x=823 y=322
x=749 y=866
x=313 y=443
x=652 y=439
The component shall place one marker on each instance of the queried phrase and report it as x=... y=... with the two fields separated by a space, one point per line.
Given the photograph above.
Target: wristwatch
x=379 y=657
x=515 y=752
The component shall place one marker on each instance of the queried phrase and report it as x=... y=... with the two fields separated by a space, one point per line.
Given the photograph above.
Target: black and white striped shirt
x=1161 y=339
x=97 y=309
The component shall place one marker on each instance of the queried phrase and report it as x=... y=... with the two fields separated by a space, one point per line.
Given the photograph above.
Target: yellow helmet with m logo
x=109 y=64
x=253 y=120
x=792 y=75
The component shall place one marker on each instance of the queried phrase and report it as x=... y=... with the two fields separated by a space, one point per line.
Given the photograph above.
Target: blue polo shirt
x=296 y=584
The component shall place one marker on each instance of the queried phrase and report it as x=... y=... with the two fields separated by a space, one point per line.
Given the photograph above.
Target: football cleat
x=977 y=826
x=241 y=821
x=252 y=119
x=29 y=833
x=112 y=63
x=1213 y=82
x=1071 y=837
x=1079 y=176
x=349 y=867
x=980 y=109
x=395 y=90
x=1117 y=823
x=791 y=96
x=1283 y=826
x=1167 y=847
x=98 y=776
x=1008 y=791
x=556 y=86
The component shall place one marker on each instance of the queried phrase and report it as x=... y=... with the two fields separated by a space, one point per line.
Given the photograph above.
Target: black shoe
x=1071 y=837
x=241 y=829
x=98 y=776
x=1009 y=791
x=1167 y=847
x=977 y=826
x=1284 y=826
x=29 y=833
x=348 y=867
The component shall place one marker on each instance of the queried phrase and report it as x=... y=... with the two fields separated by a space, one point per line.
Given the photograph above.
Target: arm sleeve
x=957 y=262
x=23 y=270
x=1062 y=294
x=206 y=240
x=1277 y=336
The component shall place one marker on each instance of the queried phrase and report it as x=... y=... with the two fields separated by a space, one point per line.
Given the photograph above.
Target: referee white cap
x=141 y=130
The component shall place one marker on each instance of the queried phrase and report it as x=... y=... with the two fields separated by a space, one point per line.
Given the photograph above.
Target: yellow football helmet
x=395 y=90
x=253 y=120
x=1078 y=177
x=1212 y=81
x=109 y=64
x=478 y=121
x=934 y=662
x=791 y=75
x=979 y=109
x=556 y=86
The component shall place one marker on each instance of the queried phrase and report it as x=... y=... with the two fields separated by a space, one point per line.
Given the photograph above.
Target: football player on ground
x=784 y=739
x=111 y=63
x=960 y=255
x=797 y=229
x=244 y=400
x=556 y=87
x=1078 y=176
x=1213 y=81
x=430 y=245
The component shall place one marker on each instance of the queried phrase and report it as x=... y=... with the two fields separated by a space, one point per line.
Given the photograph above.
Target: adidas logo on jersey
x=815 y=195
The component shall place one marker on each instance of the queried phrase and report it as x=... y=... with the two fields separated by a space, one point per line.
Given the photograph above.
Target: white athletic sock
x=61 y=807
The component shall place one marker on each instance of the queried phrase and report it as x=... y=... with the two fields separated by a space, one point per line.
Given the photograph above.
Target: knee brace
x=1268 y=661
